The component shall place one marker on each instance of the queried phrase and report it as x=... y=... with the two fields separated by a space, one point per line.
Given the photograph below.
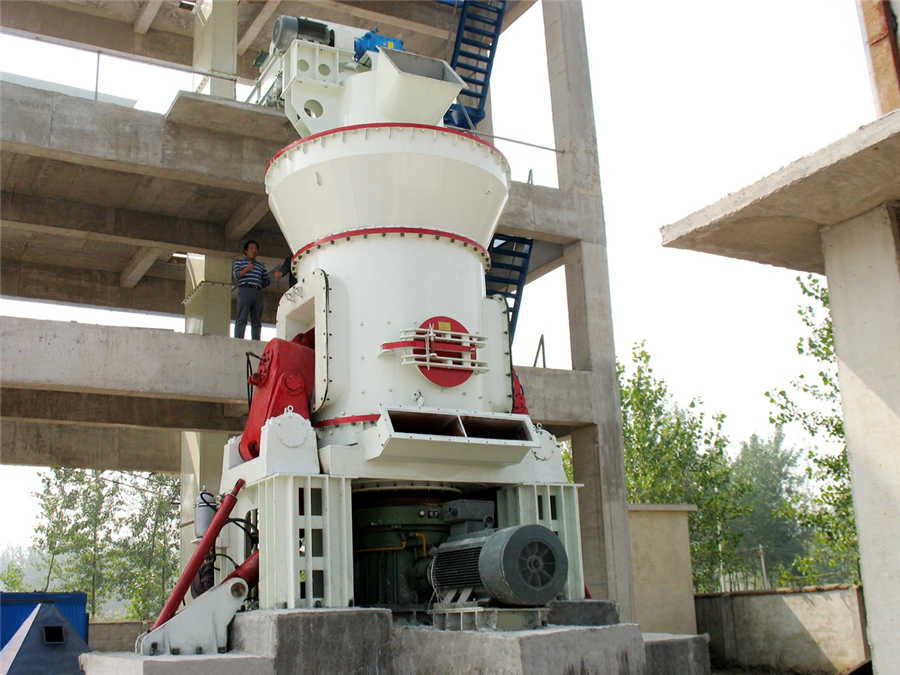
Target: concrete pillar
x=597 y=452
x=207 y=289
x=862 y=260
x=215 y=45
x=570 y=97
x=201 y=466
x=207 y=311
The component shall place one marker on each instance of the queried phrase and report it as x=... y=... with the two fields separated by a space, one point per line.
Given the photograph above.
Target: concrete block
x=583 y=613
x=316 y=640
x=683 y=654
x=127 y=663
x=610 y=650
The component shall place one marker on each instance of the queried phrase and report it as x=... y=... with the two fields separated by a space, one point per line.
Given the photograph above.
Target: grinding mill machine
x=389 y=458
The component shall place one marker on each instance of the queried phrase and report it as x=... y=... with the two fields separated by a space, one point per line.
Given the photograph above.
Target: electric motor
x=524 y=565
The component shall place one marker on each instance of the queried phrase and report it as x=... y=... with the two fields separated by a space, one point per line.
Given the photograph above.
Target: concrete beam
x=123 y=361
x=71 y=25
x=78 y=408
x=253 y=30
x=102 y=289
x=64 y=218
x=146 y=15
x=246 y=217
x=39 y=123
x=776 y=220
x=559 y=398
x=43 y=444
x=137 y=267
x=545 y=257
x=552 y=215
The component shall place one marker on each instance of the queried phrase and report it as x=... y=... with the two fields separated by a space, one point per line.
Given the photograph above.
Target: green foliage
x=12 y=578
x=673 y=455
x=148 y=563
x=568 y=466
x=108 y=534
x=79 y=520
x=815 y=404
x=769 y=469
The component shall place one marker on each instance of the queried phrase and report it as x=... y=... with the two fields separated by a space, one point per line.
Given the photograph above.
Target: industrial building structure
x=97 y=198
x=837 y=212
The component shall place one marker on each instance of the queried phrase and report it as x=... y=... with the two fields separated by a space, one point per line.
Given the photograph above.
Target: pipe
x=248 y=571
x=190 y=571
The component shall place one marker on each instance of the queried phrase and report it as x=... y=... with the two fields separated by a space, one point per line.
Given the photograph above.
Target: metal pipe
x=190 y=571
x=248 y=571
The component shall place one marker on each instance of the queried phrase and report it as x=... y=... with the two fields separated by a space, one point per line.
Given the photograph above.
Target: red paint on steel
x=367 y=231
x=380 y=125
x=248 y=571
x=443 y=377
x=284 y=377
x=520 y=405
x=334 y=421
x=190 y=571
x=443 y=346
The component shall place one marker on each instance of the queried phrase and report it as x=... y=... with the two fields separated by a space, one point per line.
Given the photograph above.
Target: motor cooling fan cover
x=524 y=565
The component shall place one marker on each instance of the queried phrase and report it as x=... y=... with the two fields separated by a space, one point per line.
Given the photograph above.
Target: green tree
x=77 y=531
x=673 y=455
x=56 y=499
x=148 y=560
x=12 y=578
x=769 y=470
x=815 y=404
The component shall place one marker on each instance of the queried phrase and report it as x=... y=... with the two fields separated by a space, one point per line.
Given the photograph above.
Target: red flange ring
x=444 y=377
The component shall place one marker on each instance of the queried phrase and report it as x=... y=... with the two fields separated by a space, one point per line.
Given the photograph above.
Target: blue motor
x=371 y=41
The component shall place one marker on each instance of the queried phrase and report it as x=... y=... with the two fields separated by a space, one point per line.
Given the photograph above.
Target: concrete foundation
x=366 y=641
x=611 y=650
x=317 y=640
x=667 y=653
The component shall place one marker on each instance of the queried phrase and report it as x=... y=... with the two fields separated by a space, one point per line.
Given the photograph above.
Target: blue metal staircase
x=477 y=35
x=509 y=268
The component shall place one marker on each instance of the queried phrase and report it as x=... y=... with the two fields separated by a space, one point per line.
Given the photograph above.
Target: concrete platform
x=606 y=650
x=126 y=663
x=285 y=642
x=684 y=654
x=776 y=220
x=316 y=640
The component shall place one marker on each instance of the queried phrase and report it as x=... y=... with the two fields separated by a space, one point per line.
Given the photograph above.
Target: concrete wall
x=661 y=565
x=115 y=636
x=803 y=631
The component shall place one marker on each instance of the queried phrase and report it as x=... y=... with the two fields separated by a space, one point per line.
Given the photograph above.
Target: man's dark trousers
x=249 y=303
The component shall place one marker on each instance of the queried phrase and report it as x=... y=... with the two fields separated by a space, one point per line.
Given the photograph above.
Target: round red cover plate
x=444 y=377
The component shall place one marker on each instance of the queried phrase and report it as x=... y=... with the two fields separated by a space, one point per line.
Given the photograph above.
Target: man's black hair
x=248 y=242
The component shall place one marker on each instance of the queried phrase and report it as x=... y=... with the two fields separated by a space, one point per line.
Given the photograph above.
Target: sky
x=692 y=100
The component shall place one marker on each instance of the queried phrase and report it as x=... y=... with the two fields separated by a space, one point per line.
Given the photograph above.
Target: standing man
x=251 y=278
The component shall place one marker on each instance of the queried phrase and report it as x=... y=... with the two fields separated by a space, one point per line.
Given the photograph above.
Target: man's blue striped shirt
x=258 y=277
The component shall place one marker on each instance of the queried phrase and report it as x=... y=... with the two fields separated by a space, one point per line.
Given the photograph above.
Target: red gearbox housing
x=285 y=377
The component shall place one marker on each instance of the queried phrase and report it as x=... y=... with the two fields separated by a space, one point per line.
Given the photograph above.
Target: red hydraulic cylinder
x=218 y=522
x=248 y=571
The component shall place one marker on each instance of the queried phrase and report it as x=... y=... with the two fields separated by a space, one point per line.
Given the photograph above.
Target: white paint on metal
x=199 y=628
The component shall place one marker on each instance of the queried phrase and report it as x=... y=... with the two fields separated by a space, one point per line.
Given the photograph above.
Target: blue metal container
x=15 y=608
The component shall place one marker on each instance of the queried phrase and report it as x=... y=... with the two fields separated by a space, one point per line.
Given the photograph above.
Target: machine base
x=369 y=641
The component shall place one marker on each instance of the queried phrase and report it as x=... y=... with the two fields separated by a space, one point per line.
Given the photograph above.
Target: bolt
x=237 y=589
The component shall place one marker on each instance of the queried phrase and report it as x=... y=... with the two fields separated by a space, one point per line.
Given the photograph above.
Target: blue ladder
x=473 y=57
x=509 y=269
